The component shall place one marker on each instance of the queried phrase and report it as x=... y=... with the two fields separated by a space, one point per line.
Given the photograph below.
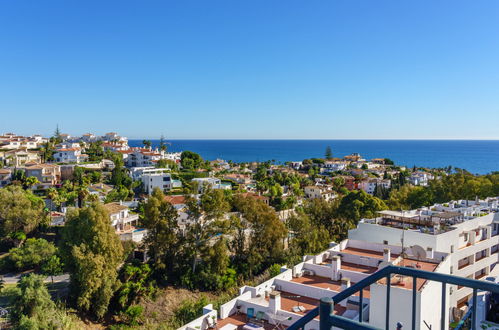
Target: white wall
x=305 y=290
x=319 y=270
x=353 y=276
x=229 y=307
x=400 y=307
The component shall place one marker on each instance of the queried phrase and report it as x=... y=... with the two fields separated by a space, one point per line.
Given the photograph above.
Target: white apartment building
x=157 y=179
x=12 y=141
x=330 y=166
x=20 y=157
x=88 y=137
x=141 y=157
x=137 y=172
x=285 y=298
x=420 y=178
x=369 y=185
x=152 y=177
x=70 y=155
x=467 y=230
x=459 y=238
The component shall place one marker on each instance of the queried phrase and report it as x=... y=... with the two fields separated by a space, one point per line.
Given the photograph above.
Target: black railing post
x=388 y=285
x=473 y=313
x=414 y=292
x=361 y=304
x=326 y=308
x=444 y=294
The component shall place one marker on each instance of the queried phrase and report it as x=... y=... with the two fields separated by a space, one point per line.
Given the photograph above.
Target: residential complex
x=459 y=238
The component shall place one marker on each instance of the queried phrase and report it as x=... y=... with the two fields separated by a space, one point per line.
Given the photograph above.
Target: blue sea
x=476 y=156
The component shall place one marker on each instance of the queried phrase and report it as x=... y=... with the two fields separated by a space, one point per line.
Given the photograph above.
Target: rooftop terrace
x=324 y=283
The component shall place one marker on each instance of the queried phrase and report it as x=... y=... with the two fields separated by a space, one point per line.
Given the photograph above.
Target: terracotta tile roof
x=249 y=194
x=175 y=200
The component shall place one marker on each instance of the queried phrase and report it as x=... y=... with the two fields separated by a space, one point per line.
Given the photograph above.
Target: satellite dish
x=418 y=252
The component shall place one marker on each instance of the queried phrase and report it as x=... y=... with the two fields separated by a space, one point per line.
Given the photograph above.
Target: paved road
x=12 y=278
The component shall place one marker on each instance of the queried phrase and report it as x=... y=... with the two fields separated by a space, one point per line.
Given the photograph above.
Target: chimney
x=345 y=283
x=335 y=267
x=386 y=254
x=274 y=301
x=430 y=254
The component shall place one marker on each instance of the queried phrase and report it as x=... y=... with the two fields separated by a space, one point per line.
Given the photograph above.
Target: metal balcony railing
x=326 y=307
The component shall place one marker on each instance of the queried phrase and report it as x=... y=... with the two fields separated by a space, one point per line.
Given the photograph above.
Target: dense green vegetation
x=226 y=240
x=460 y=185
x=92 y=253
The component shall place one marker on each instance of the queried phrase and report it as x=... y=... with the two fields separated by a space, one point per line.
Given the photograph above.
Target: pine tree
x=329 y=153
x=57 y=133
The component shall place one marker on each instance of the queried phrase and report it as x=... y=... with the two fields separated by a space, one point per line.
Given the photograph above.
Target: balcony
x=328 y=318
x=463 y=265
x=483 y=256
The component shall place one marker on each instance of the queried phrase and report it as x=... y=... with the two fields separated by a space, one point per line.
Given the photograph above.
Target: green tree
x=329 y=153
x=30 y=182
x=205 y=218
x=163 y=241
x=267 y=234
x=47 y=151
x=33 y=253
x=190 y=160
x=167 y=163
x=162 y=144
x=92 y=252
x=307 y=238
x=133 y=315
x=57 y=135
x=359 y=204
x=95 y=151
x=20 y=211
x=388 y=161
x=32 y=307
x=135 y=278
x=53 y=267
x=147 y=143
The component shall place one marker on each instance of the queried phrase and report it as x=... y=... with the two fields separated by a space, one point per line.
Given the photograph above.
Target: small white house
x=70 y=155
x=322 y=192
x=161 y=180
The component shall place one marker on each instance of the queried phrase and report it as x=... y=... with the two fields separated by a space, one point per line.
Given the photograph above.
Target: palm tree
x=82 y=195
x=31 y=181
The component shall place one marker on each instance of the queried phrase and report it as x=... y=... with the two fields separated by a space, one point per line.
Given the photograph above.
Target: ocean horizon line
x=313 y=139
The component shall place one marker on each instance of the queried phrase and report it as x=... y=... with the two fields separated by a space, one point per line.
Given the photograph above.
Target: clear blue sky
x=251 y=68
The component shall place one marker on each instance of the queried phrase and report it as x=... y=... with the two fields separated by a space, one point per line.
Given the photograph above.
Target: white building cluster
x=459 y=238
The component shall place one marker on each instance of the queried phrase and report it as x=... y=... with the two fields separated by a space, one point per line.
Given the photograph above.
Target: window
x=452 y=249
x=385 y=242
